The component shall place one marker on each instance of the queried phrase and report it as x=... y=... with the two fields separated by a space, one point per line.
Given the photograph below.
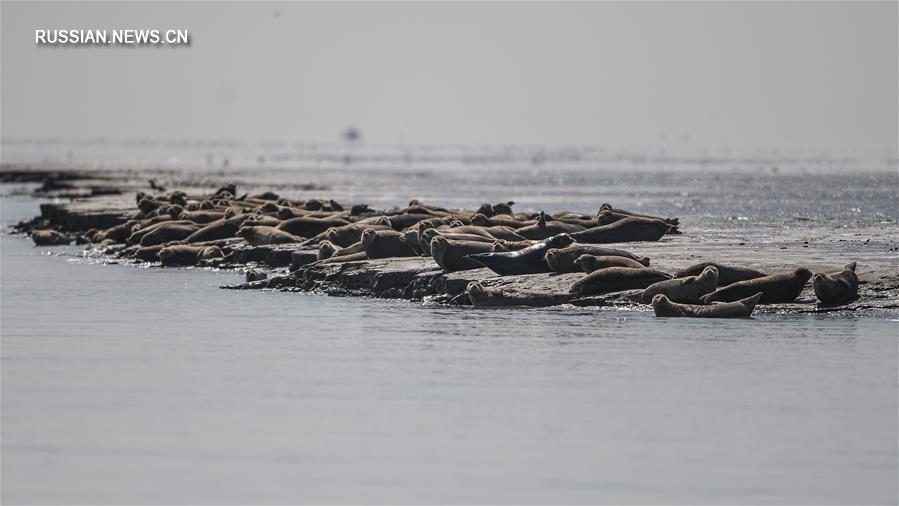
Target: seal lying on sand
x=497 y=297
x=529 y=260
x=590 y=263
x=738 y=309
x=780 y=287
x=687 y=290
x=562 y=260
x=837 y=287
x=617 y=279
x=726 y=274
x=626 y=230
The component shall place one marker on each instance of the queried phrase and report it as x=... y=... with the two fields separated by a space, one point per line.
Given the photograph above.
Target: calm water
x=124 y=384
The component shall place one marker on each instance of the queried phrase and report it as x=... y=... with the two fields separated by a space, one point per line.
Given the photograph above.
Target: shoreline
x=100 y=199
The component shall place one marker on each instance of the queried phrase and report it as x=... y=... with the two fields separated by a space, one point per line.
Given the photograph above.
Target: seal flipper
x=750 y=302
x=850 y=266
x=489 y=261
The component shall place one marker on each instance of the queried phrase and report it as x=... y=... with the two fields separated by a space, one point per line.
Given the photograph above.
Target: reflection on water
x=122 y=384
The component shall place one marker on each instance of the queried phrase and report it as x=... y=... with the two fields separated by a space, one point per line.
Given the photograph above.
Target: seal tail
x=643 y=261
x=750 y=302
x=672 y=229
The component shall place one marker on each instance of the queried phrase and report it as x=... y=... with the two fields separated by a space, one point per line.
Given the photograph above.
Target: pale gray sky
x=743 y=75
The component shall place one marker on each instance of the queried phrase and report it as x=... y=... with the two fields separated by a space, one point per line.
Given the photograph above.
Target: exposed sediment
x=295 y=266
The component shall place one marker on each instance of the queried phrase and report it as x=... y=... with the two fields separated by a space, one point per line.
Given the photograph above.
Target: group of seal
x=180 y=229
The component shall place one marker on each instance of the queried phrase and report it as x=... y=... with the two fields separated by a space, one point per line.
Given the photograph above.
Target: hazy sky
x=743 y=75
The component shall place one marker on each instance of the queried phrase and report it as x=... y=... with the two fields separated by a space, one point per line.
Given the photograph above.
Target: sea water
x=123 y=384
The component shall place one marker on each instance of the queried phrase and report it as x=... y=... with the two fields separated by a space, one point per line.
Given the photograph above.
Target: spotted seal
x=385 y=244
x=590 y=263
x=685 y=290
x=562 y=260
x=188 y=255
x=742 y=308
x=727 y=274
x=258 y=235
x=617 y=279
x=544 y=228
x=626 y=230
x=528 y=260
x=498 y=297
x=775 y=288
x=836 y=287
x=454 y=256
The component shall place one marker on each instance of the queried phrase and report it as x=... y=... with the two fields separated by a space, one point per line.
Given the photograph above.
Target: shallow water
x=124 y=384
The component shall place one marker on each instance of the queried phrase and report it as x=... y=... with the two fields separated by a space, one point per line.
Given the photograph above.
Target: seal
x=219 y=229
x=528 y=260
x=355 y=257
x=253 y=275
x=346 y=235
x=305 y=226
x=617 y=279
x=626 y=230
x=562 y=260
x=200 y=216
x=775 y=288
x=188 y=255
x=502 y=220
x=326 y=249
x=262 y=235
x=544 y=229
x=139 y=230
x=726 y=274
x=837 y=287
x=50 y=237
x=149 y=253
x=497 y=297
x=590 y=263
x=385 y=244
x=685 y=290
x=742 y=308
x=410 y=237
x=168 y=232
x=608 y=207
x=453 y=256
x=400 y=221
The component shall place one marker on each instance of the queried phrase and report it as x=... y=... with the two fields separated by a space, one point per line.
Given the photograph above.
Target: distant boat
x=351 y=134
